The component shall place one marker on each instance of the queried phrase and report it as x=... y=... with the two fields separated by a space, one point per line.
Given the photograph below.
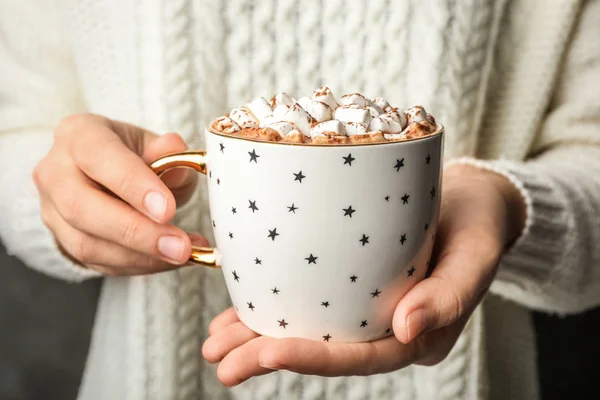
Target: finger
x=464 y=272
x=96 y=213
x=101 y=154
x=99 y=254
x=222 y=320
x=227 y=339
x=336 y=359
x=242 y=363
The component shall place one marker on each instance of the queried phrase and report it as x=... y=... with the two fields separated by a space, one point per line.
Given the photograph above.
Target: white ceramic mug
x=319 y=242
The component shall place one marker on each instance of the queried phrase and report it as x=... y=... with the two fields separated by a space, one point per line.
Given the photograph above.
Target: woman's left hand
x=481 y=213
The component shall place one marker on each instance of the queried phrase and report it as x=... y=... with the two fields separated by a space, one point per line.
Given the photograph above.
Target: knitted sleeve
x=37 y=88
x=555 y=264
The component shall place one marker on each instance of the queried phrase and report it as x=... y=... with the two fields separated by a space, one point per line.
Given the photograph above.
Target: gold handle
x=205 y=256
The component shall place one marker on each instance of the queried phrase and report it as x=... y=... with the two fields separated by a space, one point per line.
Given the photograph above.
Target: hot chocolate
x=321 y=119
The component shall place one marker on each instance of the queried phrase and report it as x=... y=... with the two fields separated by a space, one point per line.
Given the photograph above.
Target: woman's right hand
x=105 y=206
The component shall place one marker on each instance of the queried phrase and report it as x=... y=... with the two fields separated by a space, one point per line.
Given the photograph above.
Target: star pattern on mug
x=311 y=259
x=252 y=206
x=273 y=234
x=399 y=164
x=364 y=240
x=253 y=156
x=299 y=176
x=348 y=159
x=348 y=211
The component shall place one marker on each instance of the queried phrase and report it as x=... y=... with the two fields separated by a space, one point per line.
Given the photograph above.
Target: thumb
x=465 y=270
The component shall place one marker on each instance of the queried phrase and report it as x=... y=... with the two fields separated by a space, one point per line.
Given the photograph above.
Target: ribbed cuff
x=529 y=263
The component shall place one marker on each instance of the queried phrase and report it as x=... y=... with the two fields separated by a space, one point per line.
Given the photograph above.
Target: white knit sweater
x=515 y=81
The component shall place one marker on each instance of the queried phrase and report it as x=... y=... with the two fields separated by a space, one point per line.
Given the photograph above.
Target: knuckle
x=130 y=232
x=80 y=248
x=69 y=207
x=73 y=123
x=127 y=185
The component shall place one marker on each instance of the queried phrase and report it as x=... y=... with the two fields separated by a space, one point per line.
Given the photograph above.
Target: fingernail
x=171 y=247
x=416 y=322
x=273 y=366
x=156 y=205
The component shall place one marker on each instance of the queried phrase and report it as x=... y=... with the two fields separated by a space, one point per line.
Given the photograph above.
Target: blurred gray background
x=45 y=327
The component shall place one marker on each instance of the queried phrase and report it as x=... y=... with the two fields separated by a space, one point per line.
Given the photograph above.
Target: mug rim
x=438 y=132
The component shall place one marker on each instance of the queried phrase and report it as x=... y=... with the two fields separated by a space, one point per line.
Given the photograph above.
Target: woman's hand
x=105 y=207
x=481 y=213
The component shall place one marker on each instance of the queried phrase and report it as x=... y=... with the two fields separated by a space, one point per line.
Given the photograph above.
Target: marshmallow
x=279 y=111
x=226 y=125
x=299 y=117
x=382 y=103
x=333 y=127
x=281 y=98
x=385 y=123
x=416 y=114
x=294 y=136
x=374 y=110
x=319 y=111
x=324 y=95
x=394 y=136
x=243 y=118
x=396 y=115
x=352 y=113
x=354 y=98
x=260 y=108
x=355 y=128
x=281 y=127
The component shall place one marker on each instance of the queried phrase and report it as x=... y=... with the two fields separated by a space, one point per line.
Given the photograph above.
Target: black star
x=250 y=306
x=233 y=210
x=222 y=147
x=210 y=174
x=257 y=261
x=275 y=290
x=348 y=160
x=387 y=198
x=236 y=276
x=325 y=304
x=363 y=324
x=348 y=211
x=353 y=278
x=299 y=176
x=376 y=293
x=411 y=271
x=311 y=259
x=399 y=164
x=273 y=233
x=230 y=235
x=405 y=199
x=327 y=337
x=427 y=159
x=426 y=226
x=403 y=239
x=214 y=226
x=282 y=323
x=253 y=156
x=292 y=208
x=364 y=240
x=252 y=205
x=218 y=181
x=432 y=192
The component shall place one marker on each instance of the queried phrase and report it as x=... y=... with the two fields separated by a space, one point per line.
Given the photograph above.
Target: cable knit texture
x=510 y=106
